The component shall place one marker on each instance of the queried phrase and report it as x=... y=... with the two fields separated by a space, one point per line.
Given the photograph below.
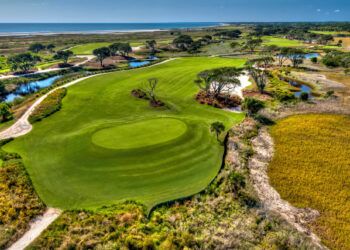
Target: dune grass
x=311 y=168
x=70 y=169
x=281 y=42
x=87 y=49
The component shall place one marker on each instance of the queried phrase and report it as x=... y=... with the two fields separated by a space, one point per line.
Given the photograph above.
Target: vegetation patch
x=69 y=171
x=19 y=203
x=311 y=168
x=51 y=104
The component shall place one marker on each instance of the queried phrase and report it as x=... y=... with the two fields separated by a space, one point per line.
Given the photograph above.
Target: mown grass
x=311 y=168
x=281 y=42
x=70 y=171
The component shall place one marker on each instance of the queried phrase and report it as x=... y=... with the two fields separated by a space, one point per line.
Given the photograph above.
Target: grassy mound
x=140 y=134
x=69 y=170
x=311 y=168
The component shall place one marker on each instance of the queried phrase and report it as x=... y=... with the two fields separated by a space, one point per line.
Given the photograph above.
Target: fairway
x=311 y=168
x=281 y=42
x=87 y=49
x=106 y=146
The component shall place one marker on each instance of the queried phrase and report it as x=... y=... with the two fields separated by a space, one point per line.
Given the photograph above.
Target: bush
x=252 y=106
x=314 y=59
x=51 y=104
x=304 y=96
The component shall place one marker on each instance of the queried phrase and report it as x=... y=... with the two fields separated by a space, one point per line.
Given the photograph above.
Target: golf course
x=106 y=146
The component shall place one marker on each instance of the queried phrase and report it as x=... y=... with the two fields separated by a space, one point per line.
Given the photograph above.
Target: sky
x=173 y=10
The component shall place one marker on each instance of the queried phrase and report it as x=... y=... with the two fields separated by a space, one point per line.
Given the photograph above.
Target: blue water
x=305 y=89
x=31 y=87
x=311 y=55
x=52 y=28
x=136 y=64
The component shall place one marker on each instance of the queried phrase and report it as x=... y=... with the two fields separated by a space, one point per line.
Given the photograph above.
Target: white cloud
x=337 y=11
x=318 y=10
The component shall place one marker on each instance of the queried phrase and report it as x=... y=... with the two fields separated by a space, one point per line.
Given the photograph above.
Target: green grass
x=69 y=170
x=87 y=49
x=329 y=32
x=311 y=168
x=281 y=42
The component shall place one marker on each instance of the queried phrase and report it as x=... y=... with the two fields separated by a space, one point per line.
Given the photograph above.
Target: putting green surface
x=140 y=134
x=106 y=146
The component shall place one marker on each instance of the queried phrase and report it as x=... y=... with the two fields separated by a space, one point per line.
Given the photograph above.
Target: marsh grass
x=311 y=168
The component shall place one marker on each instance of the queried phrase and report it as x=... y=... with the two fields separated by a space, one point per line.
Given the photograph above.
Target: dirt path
x=36 y=228
x=272 y=201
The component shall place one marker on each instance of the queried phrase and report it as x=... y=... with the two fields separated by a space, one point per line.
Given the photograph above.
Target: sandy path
x=36 y=228
x=271 y=199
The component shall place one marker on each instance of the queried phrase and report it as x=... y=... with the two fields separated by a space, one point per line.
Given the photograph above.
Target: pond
x=306 y=56
x=302 y=87
x=139 y=63
x=30 y=88
x=136 y=64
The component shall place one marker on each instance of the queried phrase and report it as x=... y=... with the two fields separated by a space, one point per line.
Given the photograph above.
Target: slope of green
x=281 y=42
x=311 y=168
x=70 y=168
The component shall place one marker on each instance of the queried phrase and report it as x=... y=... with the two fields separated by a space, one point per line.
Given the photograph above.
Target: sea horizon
x=22 y=29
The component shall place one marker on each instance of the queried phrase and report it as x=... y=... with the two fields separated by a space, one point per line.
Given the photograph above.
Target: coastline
x=83 y=28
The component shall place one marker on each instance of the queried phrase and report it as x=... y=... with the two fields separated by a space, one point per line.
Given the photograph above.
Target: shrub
x=51 y=104
x=314 y=59
x=252 y=106
x=304 y=96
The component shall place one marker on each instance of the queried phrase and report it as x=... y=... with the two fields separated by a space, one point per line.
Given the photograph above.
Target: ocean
x=7 y=29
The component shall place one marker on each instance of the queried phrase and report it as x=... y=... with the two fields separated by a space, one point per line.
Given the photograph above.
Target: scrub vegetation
x=311 y=168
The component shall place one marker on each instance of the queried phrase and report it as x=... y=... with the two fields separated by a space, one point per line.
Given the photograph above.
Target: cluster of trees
x=5 y=112
x=102 y=53
x=295 y=55
x=186 y=43
x=63 y=55
x=336 y=59
x=37 y=47
x=213 y=82
x=229 y=34
x=309 y=37
x=23 y=61
x=152 y=46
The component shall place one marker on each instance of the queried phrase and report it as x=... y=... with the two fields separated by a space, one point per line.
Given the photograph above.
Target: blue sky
x=173 y=10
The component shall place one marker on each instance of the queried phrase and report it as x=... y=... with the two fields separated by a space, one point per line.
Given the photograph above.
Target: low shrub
x=304 y=96
x=51 y=104
x=19 y=203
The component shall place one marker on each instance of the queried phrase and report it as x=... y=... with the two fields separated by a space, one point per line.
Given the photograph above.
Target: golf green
x=106 y=146
x=140 y=134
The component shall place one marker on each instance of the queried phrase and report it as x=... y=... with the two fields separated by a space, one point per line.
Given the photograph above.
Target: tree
x=150 y=88
x=218 y=128
x=183 y=42
x=50 y=47
x=252 y=43
x=114 y=48
x=63 y=55
x=5 y=112
x=296 y=56
x=214 y=81
x=234 y=45
x=125 y=49
x=151 y=45
x=252 y=106
x=259 y=75
x=24 y=61
x=283 y=56
x=229 y=34
x=101 y=54
x=36 y=47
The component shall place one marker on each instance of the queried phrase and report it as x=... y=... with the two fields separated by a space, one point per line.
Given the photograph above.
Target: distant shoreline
x=48 y=29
